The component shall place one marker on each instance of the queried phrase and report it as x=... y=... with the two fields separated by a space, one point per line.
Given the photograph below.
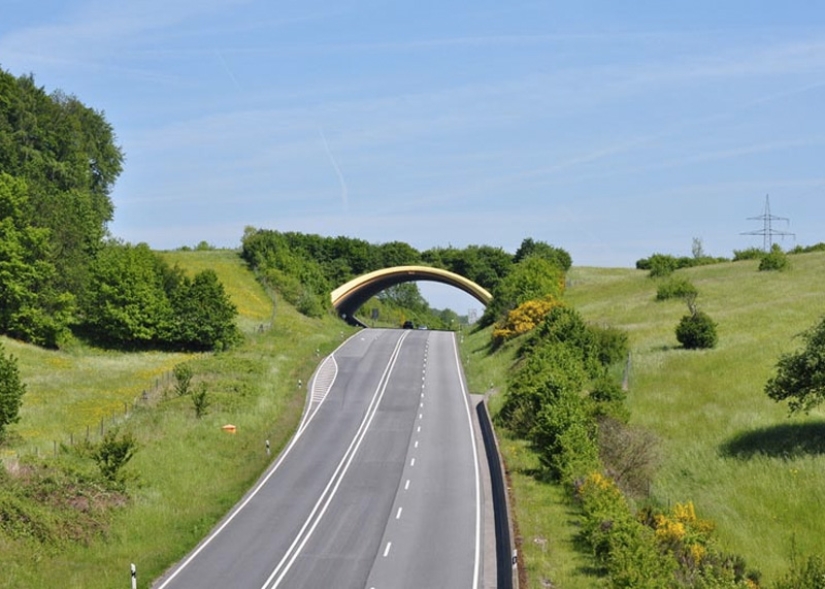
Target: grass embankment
x=187 y=471
x=756 y=472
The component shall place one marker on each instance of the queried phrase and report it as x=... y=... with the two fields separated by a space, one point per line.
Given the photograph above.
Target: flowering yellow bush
x=697 y=553
x=669 y=531
x=524 y=318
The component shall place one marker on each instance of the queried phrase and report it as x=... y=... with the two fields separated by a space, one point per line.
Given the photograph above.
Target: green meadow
x=746 y=464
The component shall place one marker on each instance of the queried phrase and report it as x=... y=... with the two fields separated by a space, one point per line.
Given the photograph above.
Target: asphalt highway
x=379 y=488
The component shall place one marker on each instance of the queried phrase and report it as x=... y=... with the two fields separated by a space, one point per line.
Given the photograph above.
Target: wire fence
x=95 y=432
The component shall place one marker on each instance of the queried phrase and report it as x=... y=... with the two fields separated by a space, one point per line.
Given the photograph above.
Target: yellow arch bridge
x=349 y=297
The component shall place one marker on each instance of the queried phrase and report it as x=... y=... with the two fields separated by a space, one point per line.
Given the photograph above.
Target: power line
x=767 y=232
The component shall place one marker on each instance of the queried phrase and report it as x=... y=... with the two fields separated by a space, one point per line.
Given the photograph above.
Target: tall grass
x=187 y=472
x=725 y=445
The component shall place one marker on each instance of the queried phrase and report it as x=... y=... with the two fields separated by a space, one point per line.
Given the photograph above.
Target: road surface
x=379 y=488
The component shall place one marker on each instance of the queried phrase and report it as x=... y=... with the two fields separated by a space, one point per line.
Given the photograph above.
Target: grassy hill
x=186 y=473
x=748 y=466
x=723 y=444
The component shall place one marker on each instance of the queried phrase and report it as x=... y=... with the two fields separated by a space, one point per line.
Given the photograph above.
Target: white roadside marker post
x=134 y=576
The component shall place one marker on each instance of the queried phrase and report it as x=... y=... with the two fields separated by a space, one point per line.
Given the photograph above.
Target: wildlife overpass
x=349 y=297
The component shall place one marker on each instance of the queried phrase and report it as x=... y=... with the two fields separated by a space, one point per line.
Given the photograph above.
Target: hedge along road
x=379 y=488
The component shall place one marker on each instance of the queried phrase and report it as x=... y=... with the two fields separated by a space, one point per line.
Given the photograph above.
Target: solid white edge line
x=477 y=563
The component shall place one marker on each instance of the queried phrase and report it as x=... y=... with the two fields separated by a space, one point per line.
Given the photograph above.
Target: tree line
x=61 y=272
x=305 y=268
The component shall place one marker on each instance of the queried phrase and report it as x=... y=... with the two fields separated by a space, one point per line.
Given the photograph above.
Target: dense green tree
x=67 y=154
x=542 y=377
x=484 y=265
x=203 y=317
x=59 y=162
x=800 y=375
x=556 y=255
x=404 y=295
x=127 y=303
x=31 y=307
x=137 y=300
x=12 y=390
x=532 y=278
x=397 y=253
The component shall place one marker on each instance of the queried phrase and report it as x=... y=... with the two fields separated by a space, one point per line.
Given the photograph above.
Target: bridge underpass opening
x=349 y=297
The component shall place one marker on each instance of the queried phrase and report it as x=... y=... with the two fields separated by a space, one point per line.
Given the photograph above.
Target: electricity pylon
x=767 y=232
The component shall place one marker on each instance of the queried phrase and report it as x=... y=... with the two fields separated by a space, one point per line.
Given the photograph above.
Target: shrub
x=696 y=331
x=676 y=288
x=12 y=390
x=183 y=379
x=800 y=376
x=524 y=318
x=629 y=454
x=565 y=438
x=775 y=260
x=607 y=398
x=611 y=344
x=662 y=265
x=598 y=347
x=113 y=453
x=624 y=546
x=200 y=400
x=752 y=253
x=800 y=249
x=542 y=378
x=606 y=390
x=203 y=316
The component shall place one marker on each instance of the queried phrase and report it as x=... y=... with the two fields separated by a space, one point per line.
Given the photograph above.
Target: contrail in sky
x=228 y=71
x=344 y=191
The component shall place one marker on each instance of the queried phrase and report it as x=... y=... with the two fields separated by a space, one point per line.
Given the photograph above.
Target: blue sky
x=612 y=129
